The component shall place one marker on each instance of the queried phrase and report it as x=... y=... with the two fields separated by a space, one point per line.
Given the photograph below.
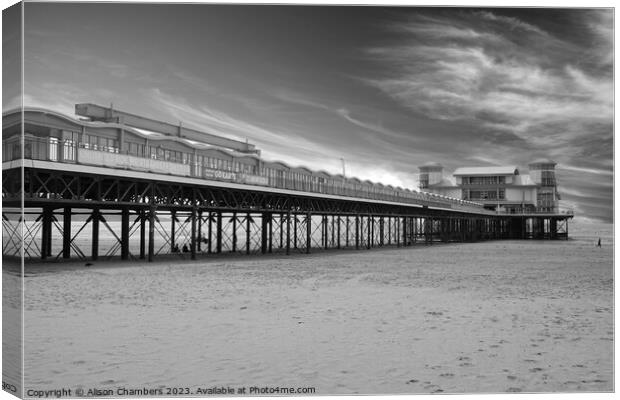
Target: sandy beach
x=500 y=316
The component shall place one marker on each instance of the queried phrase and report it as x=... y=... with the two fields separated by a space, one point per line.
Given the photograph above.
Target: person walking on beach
x=599 y=243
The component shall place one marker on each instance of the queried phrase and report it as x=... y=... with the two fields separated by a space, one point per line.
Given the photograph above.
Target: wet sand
x=504 y=316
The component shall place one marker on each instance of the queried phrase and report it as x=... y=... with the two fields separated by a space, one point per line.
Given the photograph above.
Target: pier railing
x=538 y=211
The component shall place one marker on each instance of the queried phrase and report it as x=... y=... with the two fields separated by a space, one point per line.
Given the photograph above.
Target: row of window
x=498 y=194
x=99 y=143
x=484 y=180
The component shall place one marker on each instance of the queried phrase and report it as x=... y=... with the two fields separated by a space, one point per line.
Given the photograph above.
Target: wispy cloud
x=478 y=80
x=503 y=75
x=604 y=172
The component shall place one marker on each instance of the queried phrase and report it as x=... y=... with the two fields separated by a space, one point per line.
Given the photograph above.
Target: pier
x=120 y=185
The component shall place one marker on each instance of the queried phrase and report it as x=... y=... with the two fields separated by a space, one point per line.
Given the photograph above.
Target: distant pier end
x=532 y=198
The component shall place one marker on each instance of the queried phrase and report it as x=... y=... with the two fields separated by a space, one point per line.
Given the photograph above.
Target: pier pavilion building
x=504 y=189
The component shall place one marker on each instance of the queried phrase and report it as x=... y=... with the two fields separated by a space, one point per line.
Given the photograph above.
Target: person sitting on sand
x=185 y=248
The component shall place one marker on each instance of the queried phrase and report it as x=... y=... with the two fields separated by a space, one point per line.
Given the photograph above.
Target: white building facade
x=500 y=188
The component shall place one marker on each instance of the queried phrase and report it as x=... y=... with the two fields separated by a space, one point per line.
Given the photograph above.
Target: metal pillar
x=325 y=234
x=95 y=234
x=248 y=230
x=46 y=227
x=288 y=233
x=333 y=230
x=270 y=232
x=397 y=226
x=369 y=229
x=234 y=232
x=357 y=232
x=125 y=233
x=199 y=242
x=66 y=233
x=142 y=234
x=210 y=231
x=295 y=231
x=339 y=232
x=404 y=231
x=173 y=228
x=431 y=233
x=308 y=232
x=151 y=233
x=192 y=241
x=346 y=233
x=281 y=230
x=263 y=234
x=218 y=233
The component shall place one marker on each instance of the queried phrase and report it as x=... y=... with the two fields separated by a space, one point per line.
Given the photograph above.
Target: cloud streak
x=505 y=75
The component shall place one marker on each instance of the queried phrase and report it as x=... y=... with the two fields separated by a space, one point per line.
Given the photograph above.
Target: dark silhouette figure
x=599 y=242
x=185 y=249
x=175 y=249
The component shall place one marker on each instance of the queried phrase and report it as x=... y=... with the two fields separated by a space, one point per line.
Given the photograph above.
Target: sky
x=387 y=89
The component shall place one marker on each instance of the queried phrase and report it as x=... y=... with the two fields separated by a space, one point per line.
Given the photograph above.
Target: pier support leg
x=324 y=231
x=173 y=229
x=142 y=234
x=346 y=232
x=369 y=229
x=151 y=233
x=333 y=231
x=248 y=232
x=397 y=228
x=288 y=233
x=308 y=232
x=263 y=234
x=46 y=232
x=209 y=232
x=125 y=233
x=431 y=233
x=357 y=232
x=95 y=234
x=295 y=231
x=199 y=240
x=192 y=242
x=281 y=230
x=44 y=227
x=339 y=232
x=234 y=232
x=270 y=233
x=66 y=233
x=405 y=231
x=218 y=233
